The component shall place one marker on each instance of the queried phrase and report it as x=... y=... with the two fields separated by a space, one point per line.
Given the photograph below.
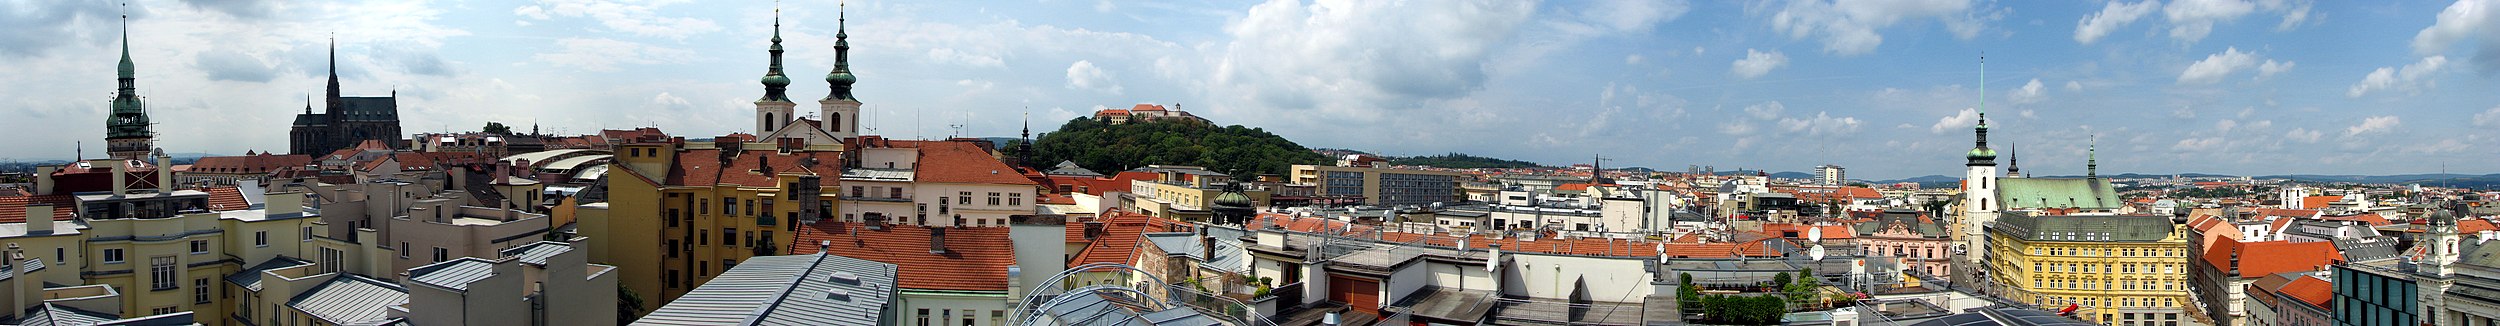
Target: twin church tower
x=775 y=114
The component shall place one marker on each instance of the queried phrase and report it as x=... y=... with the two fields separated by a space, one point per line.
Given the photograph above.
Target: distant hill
x=1108 y=148
x=1461 y=161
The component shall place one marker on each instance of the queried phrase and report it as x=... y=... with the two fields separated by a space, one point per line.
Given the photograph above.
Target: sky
x=1888 y=89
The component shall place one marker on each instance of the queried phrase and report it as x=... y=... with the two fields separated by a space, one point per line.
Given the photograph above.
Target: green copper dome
x=1983 y=153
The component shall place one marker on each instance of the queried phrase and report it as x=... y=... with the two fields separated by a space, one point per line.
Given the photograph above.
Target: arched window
x=835 y=120
x=769 y=122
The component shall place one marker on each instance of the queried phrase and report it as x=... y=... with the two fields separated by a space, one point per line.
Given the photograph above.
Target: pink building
x=1922 y=244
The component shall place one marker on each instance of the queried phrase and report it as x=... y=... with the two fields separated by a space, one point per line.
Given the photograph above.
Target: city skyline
x=2189 y=86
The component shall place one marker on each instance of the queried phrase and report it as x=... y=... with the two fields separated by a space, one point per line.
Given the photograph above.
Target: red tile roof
x=2310 y=290
x=2258 y=259
x=263 y=163
x=2318 y=202
x=963 y=162
x=2278 y=212
x=1120 y=238
x=1307 y=225
x=1829 y=231
x=13 y=209
x=2472 y=226
x=702 y=167
x=1146 y=107
x=621 y=136
x=1572 y=187
x=226 y=199
x=976 y=258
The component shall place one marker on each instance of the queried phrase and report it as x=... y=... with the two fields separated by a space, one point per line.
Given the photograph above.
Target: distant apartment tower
x=1381 y=186
x=1831 y=174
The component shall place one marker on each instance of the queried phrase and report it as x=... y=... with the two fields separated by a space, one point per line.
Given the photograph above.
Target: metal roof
x=453 y=274
x=249 y=278
x=540 y=157
x=2057 y=193
x=537 y=253
x=575 y=162
x=2084 y=228
x=349 y=298
x=787 y=290
x=49 y=314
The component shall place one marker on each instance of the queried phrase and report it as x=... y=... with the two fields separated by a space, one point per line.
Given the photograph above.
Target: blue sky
x=1887 y=88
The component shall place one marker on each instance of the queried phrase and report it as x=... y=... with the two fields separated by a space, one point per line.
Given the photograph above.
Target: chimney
x=39 y=219
x=43 y=179
x=824 y=246
x=1206 y=245
x=19 y=286
x=164 y=173
x=121 y=183
x=937 y=241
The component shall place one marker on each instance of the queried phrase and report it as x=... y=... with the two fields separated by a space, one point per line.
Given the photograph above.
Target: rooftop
x=975 y=259
x=814 y=289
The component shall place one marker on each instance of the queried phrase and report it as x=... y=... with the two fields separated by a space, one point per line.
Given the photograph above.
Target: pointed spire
x=335 y=107
x=2092 y=159
x=128 y=71
x=1980 y=154
x=841 y=78
x=776 y=84
x=2014 y=161
x=129 y=117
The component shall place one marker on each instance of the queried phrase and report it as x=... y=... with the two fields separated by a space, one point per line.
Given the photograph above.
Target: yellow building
x=678 y=214
x=2117 y=270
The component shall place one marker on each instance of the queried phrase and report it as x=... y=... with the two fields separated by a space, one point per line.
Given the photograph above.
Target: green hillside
x=1107 y=148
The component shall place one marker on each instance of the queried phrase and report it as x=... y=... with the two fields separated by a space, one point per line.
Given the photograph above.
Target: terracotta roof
x=1146 y=107
x=2278 y=212
x=1307 y=225
x=1829 y=231
x=2310 y=290
x=263 y=163
x=976 y=258
x=1112 y=112
x=963 y=162
x=2472 y=226
x=13 y=209
x=2318 y=202
x=620 y=136
x=702 y=167
x=1572 y=187
x=1120 y=238
x=226 y=199
x=2269 y=257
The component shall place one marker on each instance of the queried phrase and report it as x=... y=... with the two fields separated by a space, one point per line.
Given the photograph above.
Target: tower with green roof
x=841 y=109
x=774 y=109
x=127 y=133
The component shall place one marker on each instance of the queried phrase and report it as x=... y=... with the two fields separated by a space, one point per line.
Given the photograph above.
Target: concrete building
x=815 y=289
x=542 y=283
x=1831 y=175
x=1382 y=186
x=680 y=213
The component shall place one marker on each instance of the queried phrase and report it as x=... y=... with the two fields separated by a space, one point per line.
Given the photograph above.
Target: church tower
x=774 y=110
x=841 y=110
x=1979 y=181
x=127 y=133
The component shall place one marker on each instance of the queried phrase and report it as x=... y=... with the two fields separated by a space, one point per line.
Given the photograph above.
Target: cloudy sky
x=1886 y=88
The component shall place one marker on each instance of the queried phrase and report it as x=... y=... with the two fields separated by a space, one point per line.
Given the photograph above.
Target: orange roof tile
x=703 y=167
x=963 y=162
x=226 y=199
x=2262 y=258
x=2371 y=219
x=2310 y=290
x=2318 y=202
x=976 y=258
x=263 y=163
x=13 y=209
x=1146 y=107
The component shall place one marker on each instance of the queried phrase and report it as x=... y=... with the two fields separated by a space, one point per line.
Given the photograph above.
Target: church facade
x=345 y=121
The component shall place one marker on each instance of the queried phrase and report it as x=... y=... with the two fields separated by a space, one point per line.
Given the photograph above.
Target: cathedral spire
x=2014 y=162
x=776 y=84
x=127 y=132
x=841 y=77
x=2092 y=159
x=1980 y=154
x=335 y=107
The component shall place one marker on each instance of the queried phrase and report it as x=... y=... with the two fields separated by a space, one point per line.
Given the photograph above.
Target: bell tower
x=127 y=133
x=773 y=111
x=841 y=110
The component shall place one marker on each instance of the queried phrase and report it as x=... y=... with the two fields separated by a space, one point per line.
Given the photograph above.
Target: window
x=703 y=268
x=60 y=255
x=1015 y=199
x=672 y=278
x=856 y=192
x=308 y=233
x=728 y=206
x=260 y=238
x=331 y=259
x=199 y=247
x=161 y=273
x=750 y=208
x=923 y=315
x=199 y=291
x=441 y=254
x=702 y=238
x=993 y=199
x=672 y=218
x=963 y=198
x=729 y=236
x=672 y=248
x=162 y=310
x=112 y=256
x=403 y=250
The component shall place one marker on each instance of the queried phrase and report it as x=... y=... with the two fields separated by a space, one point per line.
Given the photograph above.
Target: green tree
x=1108 y=148
x=497 y=128
x=628 y=305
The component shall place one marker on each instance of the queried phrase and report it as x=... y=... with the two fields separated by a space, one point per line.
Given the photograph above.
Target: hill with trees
x=1107 y=148
x=1461 y=161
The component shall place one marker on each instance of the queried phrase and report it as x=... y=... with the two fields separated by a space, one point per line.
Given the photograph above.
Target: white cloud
x=2030 y=93
x=1957 y=121
x=2191 y=20
x=1084 y=75
x=1849 y=27
x=2488 y=119
x=953 y=56
x=2373 y=125
x=2198 y=144
x=2074 y=86
x=2225 y=125
x=2411 y=78
x=2271 y=68
x=2113 y=16
x=2304 y=135
x=1765 y=110
x=1349 y=58
x=599 y=54
x=2217 y=66
x=1757 y=63
x=2293 y=15
x=2464 y=20
x=1821 y=124
x=641 y=19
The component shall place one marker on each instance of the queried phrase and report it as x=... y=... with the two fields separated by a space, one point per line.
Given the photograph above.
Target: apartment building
x=2113 y=269
x=1382 y=186
x=679 y=213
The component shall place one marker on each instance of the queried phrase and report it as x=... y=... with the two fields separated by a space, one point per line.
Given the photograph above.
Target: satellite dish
x=1815 y=234
x=1816 y=253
